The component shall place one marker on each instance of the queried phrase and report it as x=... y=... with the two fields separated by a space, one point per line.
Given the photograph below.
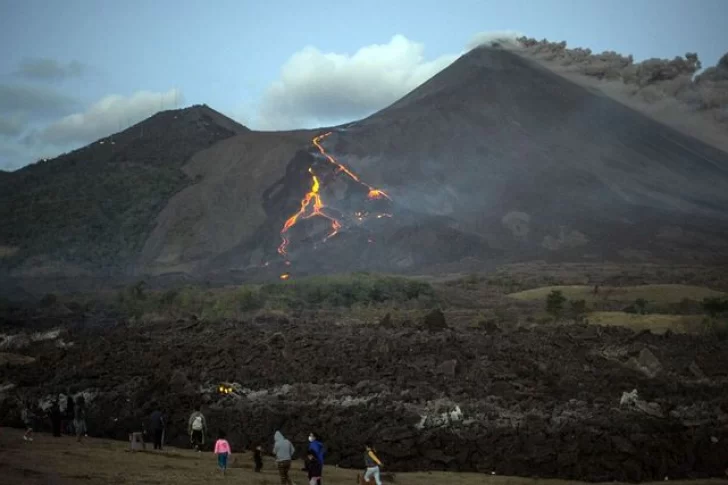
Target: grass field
x=62 y=461
x=651 y=293
x=657 y=323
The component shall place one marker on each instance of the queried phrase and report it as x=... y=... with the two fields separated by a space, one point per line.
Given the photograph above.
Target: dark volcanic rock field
x=538 y=402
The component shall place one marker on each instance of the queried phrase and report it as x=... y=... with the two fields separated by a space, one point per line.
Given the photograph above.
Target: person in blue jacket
x=317 y=448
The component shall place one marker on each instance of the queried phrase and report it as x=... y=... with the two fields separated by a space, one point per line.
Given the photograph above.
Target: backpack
x=197 y=423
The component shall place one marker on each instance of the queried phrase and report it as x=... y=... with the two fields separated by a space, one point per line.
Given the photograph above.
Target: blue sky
x=74 y=70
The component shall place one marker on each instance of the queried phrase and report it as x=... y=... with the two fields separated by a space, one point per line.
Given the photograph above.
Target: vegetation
x=344 y=291
x=653 y=293
x=94 y=207
x=715 y=306
x=578 y=310
x=555 y=303
x=655 y=322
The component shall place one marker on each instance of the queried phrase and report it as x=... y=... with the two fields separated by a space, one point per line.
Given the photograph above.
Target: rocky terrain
x=433 y=395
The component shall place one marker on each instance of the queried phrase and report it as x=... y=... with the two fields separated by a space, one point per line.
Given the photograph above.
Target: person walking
x=317 y=448
x=79 y=418
x=70 y=414
x=373 y=464
x=197 y=428
x=223 y=451
x=283 y=450
x=55 y=415
x=258 y=458
x=156 y=426
x=27 y=414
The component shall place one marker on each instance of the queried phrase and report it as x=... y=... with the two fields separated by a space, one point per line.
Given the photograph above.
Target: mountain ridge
x=495 y=158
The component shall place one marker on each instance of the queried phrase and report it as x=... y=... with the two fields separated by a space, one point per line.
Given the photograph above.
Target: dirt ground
x=62 y=461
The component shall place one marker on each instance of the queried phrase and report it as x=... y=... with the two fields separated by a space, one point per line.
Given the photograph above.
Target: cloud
x=106 y=116
x=11 y=127
x=39 y=101
x=500 y=36
x=45 y=69
x=317 y=87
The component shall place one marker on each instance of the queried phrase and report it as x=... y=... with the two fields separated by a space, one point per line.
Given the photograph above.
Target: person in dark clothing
x=79 y=418
x=258 y=458
x=55 y=414
x=70 y=413
x=156 y=426
x=313 y=467
x=317 y=448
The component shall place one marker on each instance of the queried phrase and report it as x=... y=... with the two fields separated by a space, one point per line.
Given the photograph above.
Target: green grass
x=651 y=293
x=657 y=323
x=322 y=292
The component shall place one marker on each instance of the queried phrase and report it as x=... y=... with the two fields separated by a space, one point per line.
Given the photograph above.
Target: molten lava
x=313 y=206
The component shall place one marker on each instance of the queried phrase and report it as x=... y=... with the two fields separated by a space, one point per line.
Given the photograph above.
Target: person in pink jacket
x=223 y=451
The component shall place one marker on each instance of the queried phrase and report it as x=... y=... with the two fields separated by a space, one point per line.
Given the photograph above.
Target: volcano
x=495 y=159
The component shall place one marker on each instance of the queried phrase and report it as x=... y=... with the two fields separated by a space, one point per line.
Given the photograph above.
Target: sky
x=74 y=71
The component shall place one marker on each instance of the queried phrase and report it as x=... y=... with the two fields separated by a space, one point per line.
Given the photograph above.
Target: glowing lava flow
x=313 y=206
x=312 y=200
x=373 y=193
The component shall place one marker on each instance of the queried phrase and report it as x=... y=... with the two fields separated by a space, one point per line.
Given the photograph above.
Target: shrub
x=715 y=306
x=555 y=303
x=578 y=310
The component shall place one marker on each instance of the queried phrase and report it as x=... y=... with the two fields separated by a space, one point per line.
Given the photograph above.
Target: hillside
x=89 y=211
x=494 y=159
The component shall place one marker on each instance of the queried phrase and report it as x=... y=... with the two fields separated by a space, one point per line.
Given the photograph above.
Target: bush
x=555 y=303
x=310 y=293
x=578 y=310
x=715 y=306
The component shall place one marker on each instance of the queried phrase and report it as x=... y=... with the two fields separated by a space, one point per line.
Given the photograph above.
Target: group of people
x=74 y=417
x=283 y=450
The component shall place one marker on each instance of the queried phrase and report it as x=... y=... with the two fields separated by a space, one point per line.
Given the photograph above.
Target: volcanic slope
x=495 y=158
x=89 y=211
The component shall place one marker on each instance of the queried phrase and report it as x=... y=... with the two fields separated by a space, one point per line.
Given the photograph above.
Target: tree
x=578 y=310
x=555 y=303
x=641 y=305
x=714 y=306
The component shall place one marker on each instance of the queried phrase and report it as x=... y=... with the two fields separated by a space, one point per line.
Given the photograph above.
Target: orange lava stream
x=373 y=193
x=313 y=206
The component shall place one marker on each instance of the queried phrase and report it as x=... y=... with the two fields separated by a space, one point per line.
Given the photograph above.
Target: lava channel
x=312 y=205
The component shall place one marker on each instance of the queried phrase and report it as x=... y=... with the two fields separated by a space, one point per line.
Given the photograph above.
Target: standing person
x=317 y=448
x=79 y=418
x=283 y=450
x=197 y=428
x=223 y=451
x=258 y=458
x=313 y=467
x=28 y=416
x=55 y=414
x=70 y=413
x=156 y=425
x=373 y=464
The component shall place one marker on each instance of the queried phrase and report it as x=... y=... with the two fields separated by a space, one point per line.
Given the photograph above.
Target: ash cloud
x=651 y=81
